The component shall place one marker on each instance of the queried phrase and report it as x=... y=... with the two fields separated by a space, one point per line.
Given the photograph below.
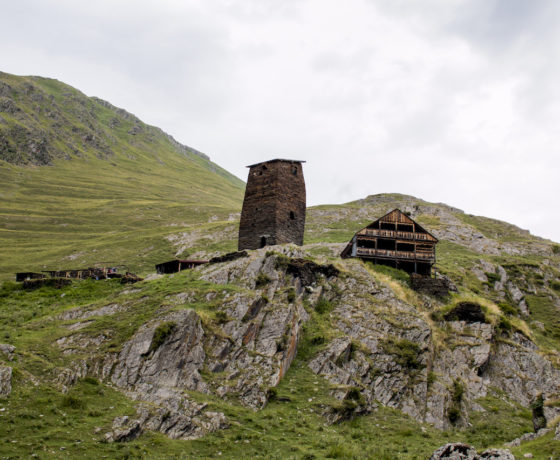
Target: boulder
x=5 y=381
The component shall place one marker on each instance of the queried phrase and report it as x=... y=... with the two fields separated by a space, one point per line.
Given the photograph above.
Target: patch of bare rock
x=384 y=352
x=460 y=451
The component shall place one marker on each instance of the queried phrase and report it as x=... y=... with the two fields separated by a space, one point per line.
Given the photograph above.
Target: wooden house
x=174 y=266
x=26 y=276
x=395 y=240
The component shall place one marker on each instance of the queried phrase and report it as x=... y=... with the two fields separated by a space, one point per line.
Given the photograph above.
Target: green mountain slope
x=82 y=182
x=245 y=359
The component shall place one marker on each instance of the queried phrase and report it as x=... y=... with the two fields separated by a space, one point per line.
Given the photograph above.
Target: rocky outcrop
x=7 y=351
x=5 y=381
x=245 y=351
x=527 y=437
x=460 y=451
x=385 y=350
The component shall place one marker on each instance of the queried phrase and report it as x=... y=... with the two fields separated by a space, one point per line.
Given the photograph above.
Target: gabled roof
x=396 y=215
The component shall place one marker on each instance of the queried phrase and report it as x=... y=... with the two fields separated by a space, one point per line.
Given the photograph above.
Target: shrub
x=261 y=280
x=453 y=414
x=291 y=295
x=556 y=248
x=406 y=353
x=323 y=306
x=431 y=378
x=555 y=285
x=458 y=391
x=437 y=316
x=161 y=333
x=221 y=317
x=492 y=278
x=71 y=402
x=507 y=308
x=318 y=340
x=354 y=394
x=91 y=380
x=282 y=261
x=272 y=394
x=504 y=325
x=282 y=343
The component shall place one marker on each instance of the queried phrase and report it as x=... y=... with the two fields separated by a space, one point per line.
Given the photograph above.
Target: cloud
x=450 y=100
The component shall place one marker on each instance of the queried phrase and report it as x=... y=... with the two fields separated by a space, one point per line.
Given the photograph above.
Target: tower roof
x=275 y=160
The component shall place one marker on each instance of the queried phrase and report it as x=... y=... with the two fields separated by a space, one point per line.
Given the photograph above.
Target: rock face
x=7 y=351
x=386 y=350
x=5 y=381
x=246 y=352
x=460 y=451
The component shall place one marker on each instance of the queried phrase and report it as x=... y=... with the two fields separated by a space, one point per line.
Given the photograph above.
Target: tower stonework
x=274 y=205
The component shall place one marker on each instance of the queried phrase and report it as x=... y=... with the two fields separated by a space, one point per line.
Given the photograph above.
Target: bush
x=291 y=295
x=282 y=343
x=453 y=414
x=221 y=317
x=161 y=333
x=406 y=353
x=261 y=280
x=318 y=340
x=556 y=248
x=354 y=394
x=492 y=278
x=504 y=325
x=458 y=391
x=323 y=306
x=71 y=402
x=272 y=394
x=431 y=378
x=507 y=308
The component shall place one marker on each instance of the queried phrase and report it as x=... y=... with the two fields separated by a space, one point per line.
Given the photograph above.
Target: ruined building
x=274 y=205
x=395 y=240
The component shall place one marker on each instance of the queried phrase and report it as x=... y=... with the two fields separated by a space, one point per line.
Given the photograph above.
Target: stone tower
x=274 y=205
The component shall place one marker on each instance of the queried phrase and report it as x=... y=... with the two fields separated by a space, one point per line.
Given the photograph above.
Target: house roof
x=402 y=218
x=276 y=160
x=198 y=262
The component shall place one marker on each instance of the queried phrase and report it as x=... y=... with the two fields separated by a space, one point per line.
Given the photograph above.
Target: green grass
x=131 y=208
x=107 y=211
x=291 y=426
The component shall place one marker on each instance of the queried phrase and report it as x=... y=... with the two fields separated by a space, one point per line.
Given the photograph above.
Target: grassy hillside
x=85 y=183
x=82 y=182
x=39 y=418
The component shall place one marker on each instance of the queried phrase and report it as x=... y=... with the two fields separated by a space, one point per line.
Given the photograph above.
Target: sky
x=453 y=101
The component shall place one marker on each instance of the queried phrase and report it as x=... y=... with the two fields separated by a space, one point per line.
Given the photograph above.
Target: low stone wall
x=437 y=287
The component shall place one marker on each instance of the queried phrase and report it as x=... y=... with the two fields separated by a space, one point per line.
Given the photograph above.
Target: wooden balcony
x=400 y=255
x=396 y=234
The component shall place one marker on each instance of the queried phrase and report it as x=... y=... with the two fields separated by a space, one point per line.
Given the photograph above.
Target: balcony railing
x=397 y=234
x=385 y=253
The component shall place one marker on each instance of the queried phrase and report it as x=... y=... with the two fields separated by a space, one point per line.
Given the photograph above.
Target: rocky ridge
x=387 y=346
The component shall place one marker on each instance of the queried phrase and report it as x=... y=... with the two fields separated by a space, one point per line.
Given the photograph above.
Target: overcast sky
x=454 y=101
